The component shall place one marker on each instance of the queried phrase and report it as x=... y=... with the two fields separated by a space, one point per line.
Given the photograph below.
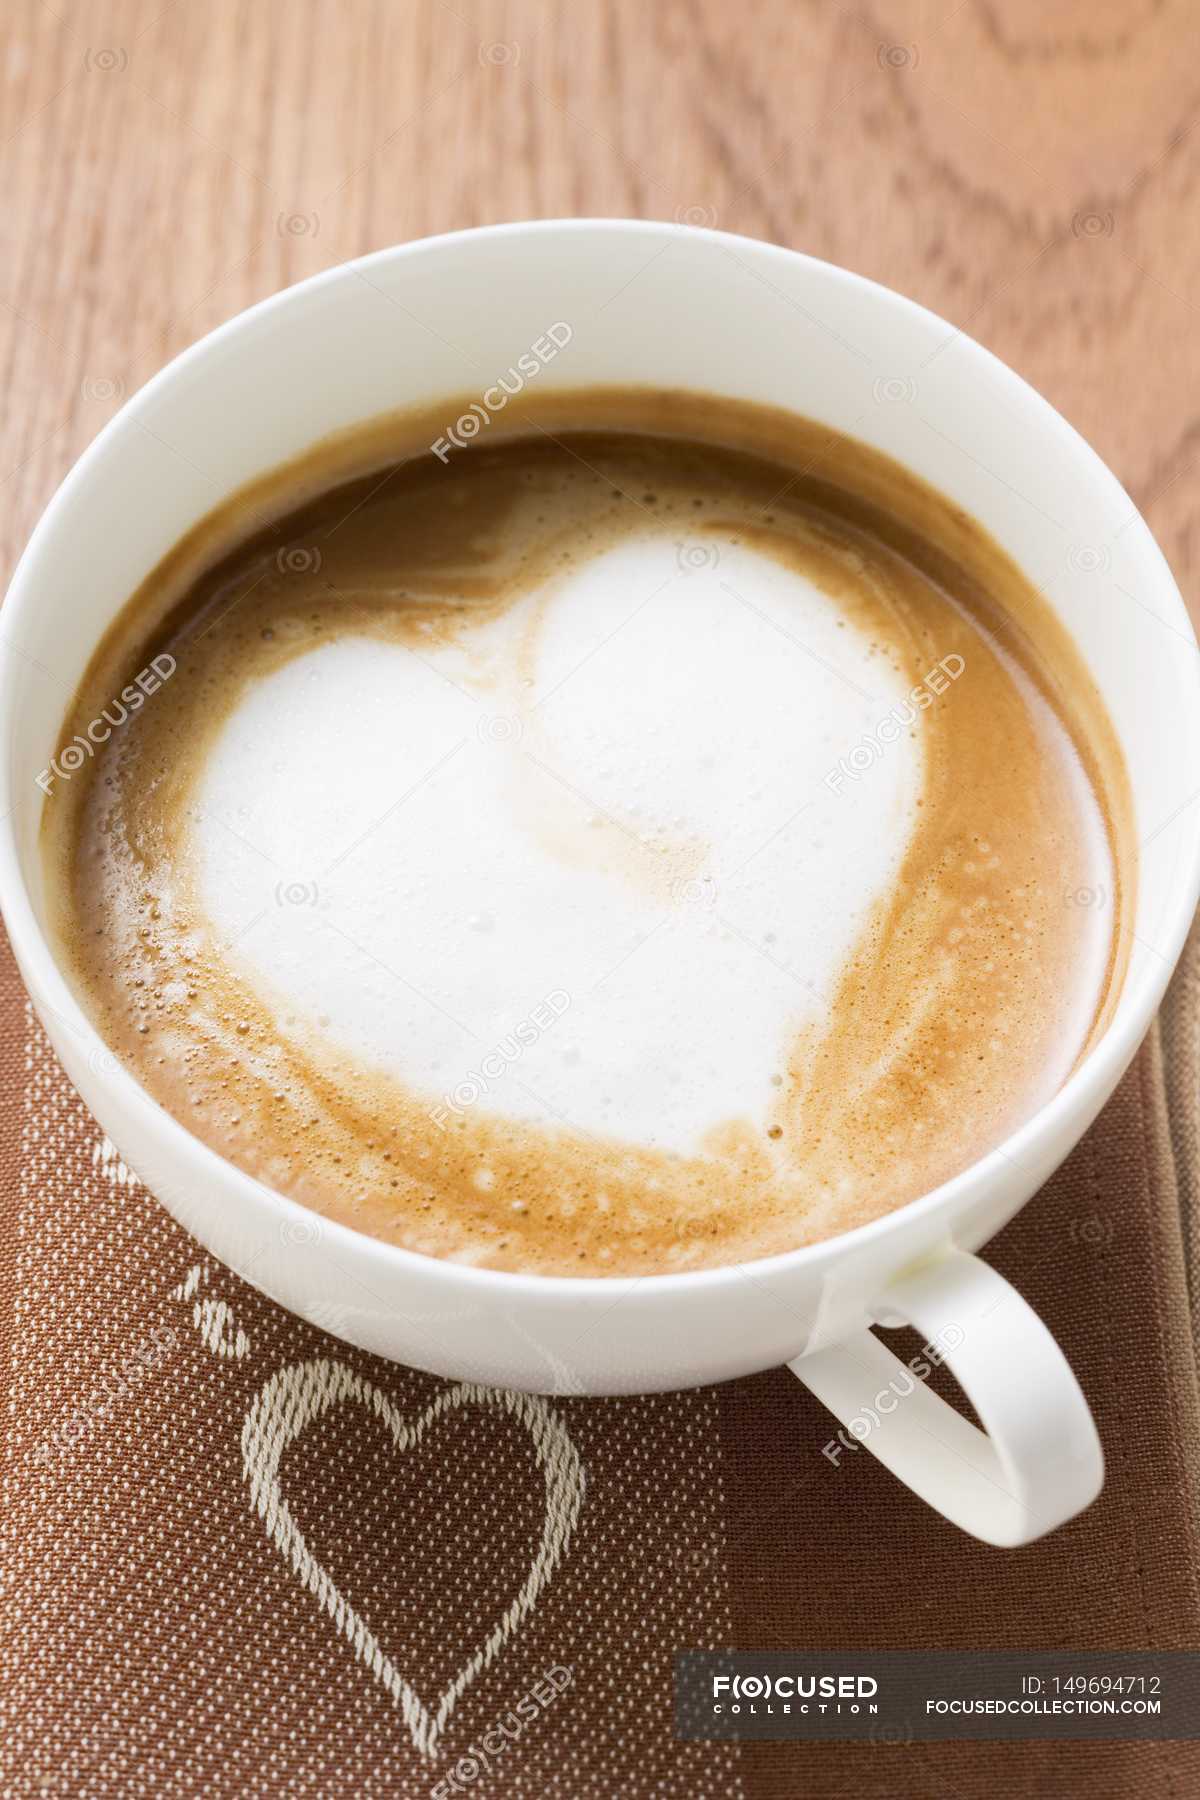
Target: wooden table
x=1027 y=170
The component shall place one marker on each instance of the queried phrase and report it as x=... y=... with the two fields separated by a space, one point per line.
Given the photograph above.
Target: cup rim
x=1141 y=991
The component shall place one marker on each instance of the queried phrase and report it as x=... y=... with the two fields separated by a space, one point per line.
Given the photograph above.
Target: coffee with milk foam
x=656 y=838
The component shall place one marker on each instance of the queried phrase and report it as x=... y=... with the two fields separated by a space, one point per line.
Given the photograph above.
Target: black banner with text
x=924 y=1696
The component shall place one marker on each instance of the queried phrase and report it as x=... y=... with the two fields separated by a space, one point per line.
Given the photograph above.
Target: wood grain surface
x=1026 y=169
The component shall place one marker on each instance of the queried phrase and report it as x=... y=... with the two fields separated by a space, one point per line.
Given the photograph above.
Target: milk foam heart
x=614 y=794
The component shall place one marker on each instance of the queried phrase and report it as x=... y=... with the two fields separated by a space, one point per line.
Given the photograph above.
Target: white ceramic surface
x=672 y=306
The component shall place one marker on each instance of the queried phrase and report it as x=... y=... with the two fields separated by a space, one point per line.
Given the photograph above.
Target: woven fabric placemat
x=244 y=1559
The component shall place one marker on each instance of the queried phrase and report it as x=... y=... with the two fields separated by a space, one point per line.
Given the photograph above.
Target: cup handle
x=1037 y=1461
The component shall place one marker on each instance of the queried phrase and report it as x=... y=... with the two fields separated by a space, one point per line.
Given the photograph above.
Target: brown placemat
x=244 y=1559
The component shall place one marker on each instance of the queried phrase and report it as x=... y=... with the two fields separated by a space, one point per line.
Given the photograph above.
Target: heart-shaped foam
x=283 y=1410
x=599 y=825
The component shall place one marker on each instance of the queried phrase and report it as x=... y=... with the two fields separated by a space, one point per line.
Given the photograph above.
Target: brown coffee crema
x=947 y=1025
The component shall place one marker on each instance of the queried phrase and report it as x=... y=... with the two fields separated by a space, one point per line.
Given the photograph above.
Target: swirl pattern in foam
x=610 y=853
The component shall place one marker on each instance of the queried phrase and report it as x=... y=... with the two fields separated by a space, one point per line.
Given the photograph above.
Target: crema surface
x=660 y=835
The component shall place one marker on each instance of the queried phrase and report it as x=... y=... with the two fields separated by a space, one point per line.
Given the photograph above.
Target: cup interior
x=644 y=303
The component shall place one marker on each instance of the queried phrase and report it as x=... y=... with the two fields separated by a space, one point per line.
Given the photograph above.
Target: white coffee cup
x=673 y=307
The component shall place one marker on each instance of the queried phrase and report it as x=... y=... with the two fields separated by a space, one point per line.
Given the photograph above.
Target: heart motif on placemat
x=303 y=1392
